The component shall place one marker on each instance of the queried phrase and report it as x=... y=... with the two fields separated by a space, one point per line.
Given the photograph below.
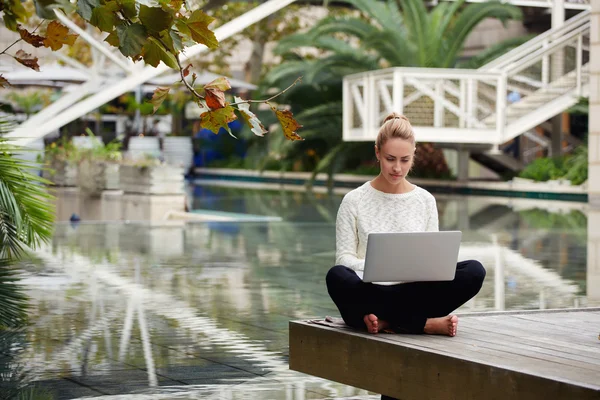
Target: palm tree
x=385 y=34
x=26 y=220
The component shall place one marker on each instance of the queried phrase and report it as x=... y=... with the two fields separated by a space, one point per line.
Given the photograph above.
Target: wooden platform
x=523 y=355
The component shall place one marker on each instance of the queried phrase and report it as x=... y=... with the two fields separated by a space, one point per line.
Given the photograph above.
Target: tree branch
x=298 y=80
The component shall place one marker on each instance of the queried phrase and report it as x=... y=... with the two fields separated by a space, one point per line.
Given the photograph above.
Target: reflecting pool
x=200 y=310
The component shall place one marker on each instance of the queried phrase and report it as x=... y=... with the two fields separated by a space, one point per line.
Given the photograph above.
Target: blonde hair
x=395 y=125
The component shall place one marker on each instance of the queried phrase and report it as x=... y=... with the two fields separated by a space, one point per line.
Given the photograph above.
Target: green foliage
x=61 y=151
x=109 y=152
x=26 y=217
x=542 y=219
x=13 y=302
x=155 y=32
x=577 y=166
x=573 y=167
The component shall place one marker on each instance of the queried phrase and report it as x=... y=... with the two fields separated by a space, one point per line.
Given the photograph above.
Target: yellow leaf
x=251 y=119
x=58 y=35
x=160 y=94
x=221 y=83
x=217 y=119
x=288 y=123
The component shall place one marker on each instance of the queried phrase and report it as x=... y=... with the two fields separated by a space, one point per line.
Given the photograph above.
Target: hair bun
x=395 y=115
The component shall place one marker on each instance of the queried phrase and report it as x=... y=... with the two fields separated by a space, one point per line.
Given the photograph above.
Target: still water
x=201 y=310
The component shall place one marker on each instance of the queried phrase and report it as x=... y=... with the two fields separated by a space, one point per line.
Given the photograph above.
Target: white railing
x=486 y=106
x=543 y=40
x=442 y=103
x=568 y=4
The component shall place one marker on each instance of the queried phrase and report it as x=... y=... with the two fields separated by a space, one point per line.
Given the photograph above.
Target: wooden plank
x=538 y=337
x=531 y=351
x=533 y=328
x=507 y=355
x=497 y=357
x=497 y=338
x=560 y=321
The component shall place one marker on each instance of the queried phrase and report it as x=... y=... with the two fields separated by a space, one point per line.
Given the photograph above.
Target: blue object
x=74 y=218
x=209 y=146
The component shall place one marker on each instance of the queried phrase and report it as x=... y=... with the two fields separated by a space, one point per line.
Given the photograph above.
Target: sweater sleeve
x=432 y=222
x=346 y=236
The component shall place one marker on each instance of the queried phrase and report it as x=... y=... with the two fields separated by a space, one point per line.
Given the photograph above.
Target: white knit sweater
x=366 y=209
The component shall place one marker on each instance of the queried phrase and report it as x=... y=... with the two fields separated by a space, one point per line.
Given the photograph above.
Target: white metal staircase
x=485 y=107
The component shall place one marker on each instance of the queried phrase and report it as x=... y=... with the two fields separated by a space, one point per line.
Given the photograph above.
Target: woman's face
x=396 y=158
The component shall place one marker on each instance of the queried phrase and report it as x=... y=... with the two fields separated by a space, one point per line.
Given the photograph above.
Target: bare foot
x=442 y=326
x=375 y=324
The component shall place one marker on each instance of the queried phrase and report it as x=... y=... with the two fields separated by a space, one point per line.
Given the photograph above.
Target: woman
x=390 y=203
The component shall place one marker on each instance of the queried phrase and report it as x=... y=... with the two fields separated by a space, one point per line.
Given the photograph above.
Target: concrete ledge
x=555 y=190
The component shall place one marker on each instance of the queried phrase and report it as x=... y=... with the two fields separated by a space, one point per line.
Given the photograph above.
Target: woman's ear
x=377 y=152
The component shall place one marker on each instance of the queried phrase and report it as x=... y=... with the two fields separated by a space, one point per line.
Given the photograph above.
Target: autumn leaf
x=214 y=93
x=288 y=123
x=32 y=39
x=215 y=99
x=3 y=82
x=58 y=35
x=27 y=60
x=186 y=70
x=160 y=94
x=251 y=119
x=197 y=25
x=221 y=83
x=217 y=119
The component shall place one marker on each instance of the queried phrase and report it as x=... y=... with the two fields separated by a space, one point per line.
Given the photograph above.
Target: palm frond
x=382 y=13
x=493 y=52
x=343 y=25
x=7 y=124
x=469 y=18
x=337 y=65
x=20 y=189
x=393 y=46
x=416 y=20
x=13 y=302
x=440 y=19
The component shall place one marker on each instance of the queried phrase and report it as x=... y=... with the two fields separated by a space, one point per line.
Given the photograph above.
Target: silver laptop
x=411 y=256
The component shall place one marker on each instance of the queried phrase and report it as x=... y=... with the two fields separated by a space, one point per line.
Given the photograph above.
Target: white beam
x=65 y=101
x=92 y=41
x=229 y=29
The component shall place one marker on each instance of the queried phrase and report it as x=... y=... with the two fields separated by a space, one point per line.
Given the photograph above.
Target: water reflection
x=201 y=310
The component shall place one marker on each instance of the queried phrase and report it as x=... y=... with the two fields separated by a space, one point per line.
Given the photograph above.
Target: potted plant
x=60 y=163
x=149 y=175
x=99 y=166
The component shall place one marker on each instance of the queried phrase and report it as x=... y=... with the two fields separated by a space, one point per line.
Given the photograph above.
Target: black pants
x=405 y=306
